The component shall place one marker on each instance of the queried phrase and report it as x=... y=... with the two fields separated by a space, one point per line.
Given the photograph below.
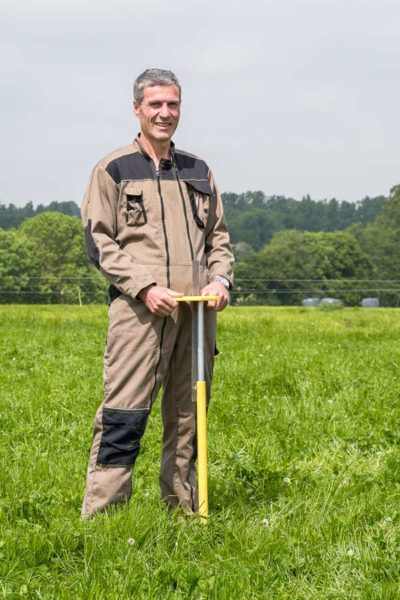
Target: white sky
x=292 y=97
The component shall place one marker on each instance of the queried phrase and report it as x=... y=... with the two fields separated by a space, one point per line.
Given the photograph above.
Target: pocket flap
x=133 y=188
x=132 y=201
x=200 y=185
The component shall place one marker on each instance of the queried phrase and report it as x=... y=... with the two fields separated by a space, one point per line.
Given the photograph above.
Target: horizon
x=267 y=196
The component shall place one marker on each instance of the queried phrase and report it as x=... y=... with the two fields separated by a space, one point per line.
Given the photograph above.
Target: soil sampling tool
x=199 y=386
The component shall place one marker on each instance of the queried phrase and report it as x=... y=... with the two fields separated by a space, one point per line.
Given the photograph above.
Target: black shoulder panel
x=133 y=166
x=190 y=167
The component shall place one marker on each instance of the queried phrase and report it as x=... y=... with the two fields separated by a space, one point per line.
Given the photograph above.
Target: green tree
x=254 y=218
x=58 y=243
x=391 y=209
x=295 y=265
x=381 y=242
x=12 y=216
x=66 y=208
x=18 y=268
x=368 y=209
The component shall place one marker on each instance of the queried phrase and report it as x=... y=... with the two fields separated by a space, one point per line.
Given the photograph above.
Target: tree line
x=12 y=216
x=254 y=218
x=362 y=260
x=285 y=250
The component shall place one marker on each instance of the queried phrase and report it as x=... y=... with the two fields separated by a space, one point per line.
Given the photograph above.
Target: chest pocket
x=200 y=193
x=135 y=210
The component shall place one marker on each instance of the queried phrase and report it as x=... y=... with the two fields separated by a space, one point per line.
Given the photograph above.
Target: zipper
x=164 y=227
x=184 y=212
x=157 y=173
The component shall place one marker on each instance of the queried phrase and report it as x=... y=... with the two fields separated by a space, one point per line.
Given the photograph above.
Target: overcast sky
x=292 y=97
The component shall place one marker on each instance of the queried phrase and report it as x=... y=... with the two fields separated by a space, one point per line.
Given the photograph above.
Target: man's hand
x=215 y=288
x=159 y=300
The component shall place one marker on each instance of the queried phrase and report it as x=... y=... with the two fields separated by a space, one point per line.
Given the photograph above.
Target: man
x=149 y=211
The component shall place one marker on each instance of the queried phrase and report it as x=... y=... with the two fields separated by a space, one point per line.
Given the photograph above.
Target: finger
x=208 y=291
x=212 y=293
x=219 y=306
x=158 y=307
x=174 y=294
x=212 y=304
x=169 y=304
x=222 y=303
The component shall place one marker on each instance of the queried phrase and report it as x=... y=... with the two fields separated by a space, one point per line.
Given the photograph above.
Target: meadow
x=304 y=474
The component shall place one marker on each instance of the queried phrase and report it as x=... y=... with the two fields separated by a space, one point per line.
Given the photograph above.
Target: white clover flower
x=266 y=522
x=287 y=480
x=131 y=541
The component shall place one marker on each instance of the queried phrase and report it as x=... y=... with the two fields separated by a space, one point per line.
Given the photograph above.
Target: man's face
x=159 y=112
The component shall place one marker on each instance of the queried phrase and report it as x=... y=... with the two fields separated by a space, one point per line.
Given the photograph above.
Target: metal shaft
x=200 y=395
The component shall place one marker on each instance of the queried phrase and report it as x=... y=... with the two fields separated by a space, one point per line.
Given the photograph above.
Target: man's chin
x=163 y=136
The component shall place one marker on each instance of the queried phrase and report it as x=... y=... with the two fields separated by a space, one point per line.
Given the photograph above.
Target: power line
x=316 y=291
x=260 y=279
x=52 y=292
x=75 y=278
x=233 y=292
x=322 y=280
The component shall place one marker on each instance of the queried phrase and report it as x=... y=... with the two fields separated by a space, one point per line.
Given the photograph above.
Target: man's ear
x=136 y=107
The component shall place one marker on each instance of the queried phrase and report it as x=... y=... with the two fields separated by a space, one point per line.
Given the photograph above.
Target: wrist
x=221 y=279
x=144 y=291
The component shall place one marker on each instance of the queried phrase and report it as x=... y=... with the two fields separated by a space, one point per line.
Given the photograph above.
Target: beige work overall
x=145 y=226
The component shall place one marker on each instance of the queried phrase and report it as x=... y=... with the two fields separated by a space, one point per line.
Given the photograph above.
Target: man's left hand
x=215 y=288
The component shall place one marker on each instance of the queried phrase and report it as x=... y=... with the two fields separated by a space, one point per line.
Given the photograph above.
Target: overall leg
x=131 y=383
x=178 y=471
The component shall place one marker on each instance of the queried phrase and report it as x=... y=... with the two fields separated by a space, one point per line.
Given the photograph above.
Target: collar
x=138 y=143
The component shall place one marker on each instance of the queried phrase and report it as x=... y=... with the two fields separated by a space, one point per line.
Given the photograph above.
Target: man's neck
x=156 y=151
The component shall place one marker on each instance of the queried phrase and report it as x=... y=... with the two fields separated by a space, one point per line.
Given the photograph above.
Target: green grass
x=304 y=449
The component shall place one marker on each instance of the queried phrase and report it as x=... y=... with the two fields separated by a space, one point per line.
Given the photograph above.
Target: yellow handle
x=202 y=450
x=197 y=299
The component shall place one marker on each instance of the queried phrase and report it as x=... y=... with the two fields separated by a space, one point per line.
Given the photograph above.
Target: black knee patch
x=120 y=441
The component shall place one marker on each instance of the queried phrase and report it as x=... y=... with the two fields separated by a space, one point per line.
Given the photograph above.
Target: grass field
x=304 y=434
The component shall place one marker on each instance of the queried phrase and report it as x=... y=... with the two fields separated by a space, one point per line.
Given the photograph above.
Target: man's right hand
x=159 y=300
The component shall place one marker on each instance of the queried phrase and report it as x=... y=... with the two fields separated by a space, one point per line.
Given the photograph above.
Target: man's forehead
x=161 y=92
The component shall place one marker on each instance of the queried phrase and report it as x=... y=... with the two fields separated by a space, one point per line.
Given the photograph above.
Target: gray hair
x=151 y=78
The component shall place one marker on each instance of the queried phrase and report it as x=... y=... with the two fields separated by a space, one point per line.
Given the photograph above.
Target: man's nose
x=164 y=110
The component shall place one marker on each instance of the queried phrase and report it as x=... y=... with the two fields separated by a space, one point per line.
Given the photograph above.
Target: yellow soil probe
x=201 y=401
